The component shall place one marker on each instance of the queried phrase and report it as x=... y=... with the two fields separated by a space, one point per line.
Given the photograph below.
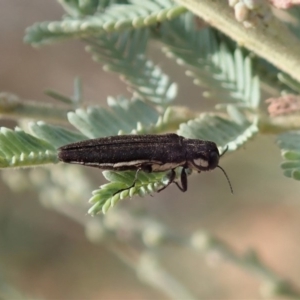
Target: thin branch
x=145 y=264
x=278 y=124
x=14 y=108
x=156 y=235
x=272 y=41
x=150 y=271
x=273 y=285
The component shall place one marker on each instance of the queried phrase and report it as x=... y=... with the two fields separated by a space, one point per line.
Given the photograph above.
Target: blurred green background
x=47 y=256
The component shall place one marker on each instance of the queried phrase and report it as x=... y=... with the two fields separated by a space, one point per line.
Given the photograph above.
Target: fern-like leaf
x=123 y=115
x=289 y=144
x=19 y=149
x=123 y=53
x=211 y=61
x=55 y=135
x=114 y=18
x=111 y=193
x=231 y=132
x=82 y=8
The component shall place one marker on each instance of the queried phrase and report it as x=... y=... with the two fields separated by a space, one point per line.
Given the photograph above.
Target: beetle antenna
x=231 y=189
x=225 y=150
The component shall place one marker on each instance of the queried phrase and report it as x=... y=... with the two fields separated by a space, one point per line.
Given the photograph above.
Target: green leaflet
x=86 y=22
x=289 y=144
x=105 y=198
x=87 y=7
x=74 y=100
x=213 y=61
x=55 y=135
x=19 y=149
x=125 y=115
x=123 y=53
x=232 y=132
x=115 y=39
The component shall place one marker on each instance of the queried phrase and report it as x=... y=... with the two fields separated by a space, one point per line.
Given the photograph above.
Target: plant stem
x=279 y=124
x=272 y=41
x=273 y=285
x=14 y=108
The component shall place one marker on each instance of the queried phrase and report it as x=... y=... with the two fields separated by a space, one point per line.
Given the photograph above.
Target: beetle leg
x=183 y=179
x=171 y=179
x=133 y=183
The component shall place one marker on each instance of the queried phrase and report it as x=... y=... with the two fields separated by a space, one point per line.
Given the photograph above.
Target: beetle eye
x=213 y=160
x=199 y=162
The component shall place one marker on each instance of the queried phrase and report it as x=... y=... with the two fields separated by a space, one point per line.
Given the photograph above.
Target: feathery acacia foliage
x=211 y=59
x=19 y=149
x=96 y=21
x=123 y=53
x=117 y=34
x=289 y=144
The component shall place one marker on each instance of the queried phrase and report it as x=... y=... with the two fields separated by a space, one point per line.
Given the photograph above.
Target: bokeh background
x=46 y=255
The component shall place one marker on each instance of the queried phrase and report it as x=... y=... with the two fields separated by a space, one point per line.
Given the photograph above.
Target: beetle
x=147 y=153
